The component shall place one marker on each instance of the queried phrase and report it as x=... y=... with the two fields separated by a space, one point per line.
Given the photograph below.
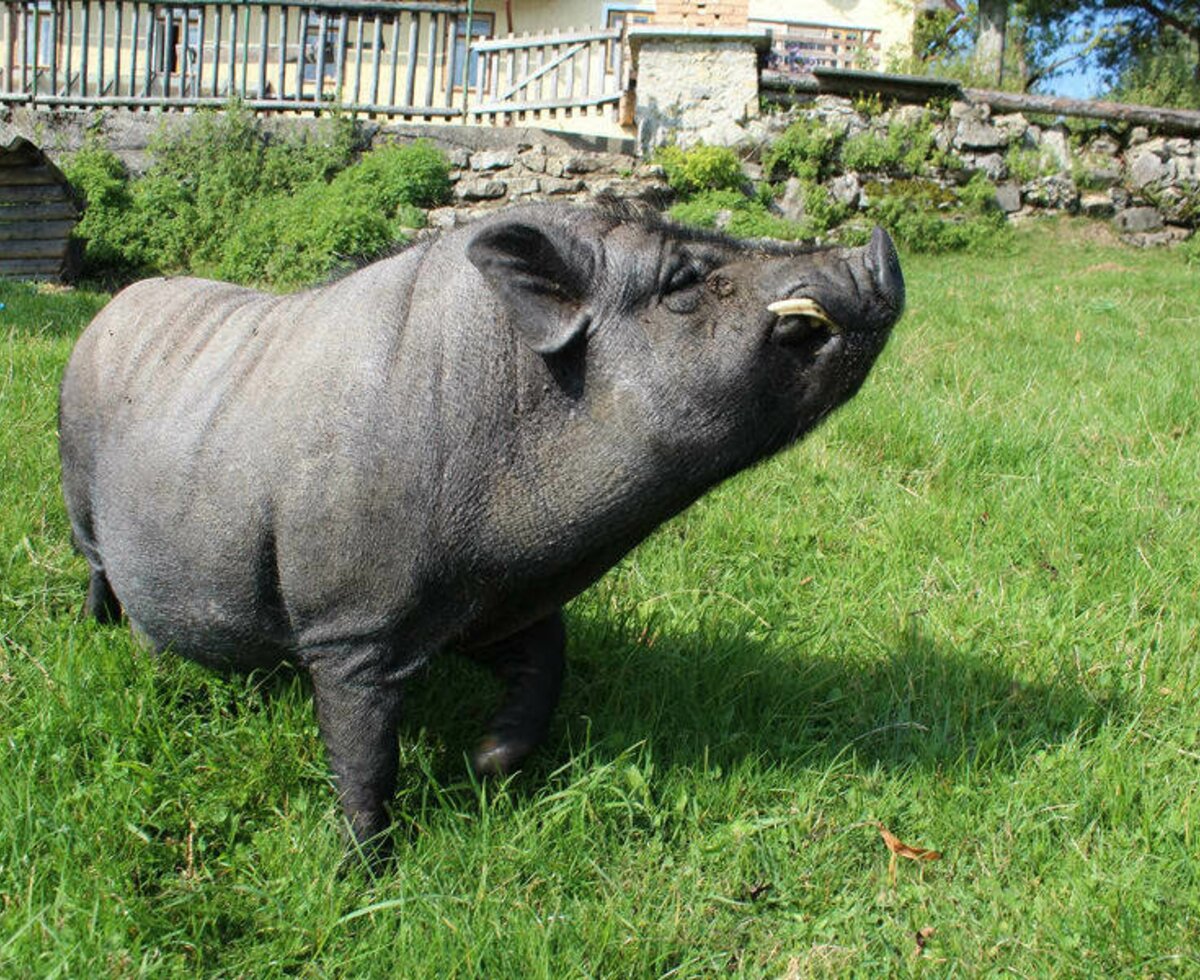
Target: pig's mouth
x=803 y=323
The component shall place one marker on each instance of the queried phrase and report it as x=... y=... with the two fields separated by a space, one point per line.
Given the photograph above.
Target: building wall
x=891 y=18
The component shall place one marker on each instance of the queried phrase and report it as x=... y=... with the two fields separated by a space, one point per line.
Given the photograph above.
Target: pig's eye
x=679 y=292
x=683 y=276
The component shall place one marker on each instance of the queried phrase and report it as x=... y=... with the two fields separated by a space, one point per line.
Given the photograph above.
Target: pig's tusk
x=804 y=306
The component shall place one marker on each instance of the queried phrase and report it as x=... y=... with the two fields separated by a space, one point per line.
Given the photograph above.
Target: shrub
x=805 y=149
x=101 y=180
x=226 y=197
x=702 y=168
x=904 y=148
x=748 y=216
x=924 y=217
x=1026 y=165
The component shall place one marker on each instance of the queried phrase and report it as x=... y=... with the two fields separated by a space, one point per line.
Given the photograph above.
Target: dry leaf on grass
x=900 y=849
x=922 y=938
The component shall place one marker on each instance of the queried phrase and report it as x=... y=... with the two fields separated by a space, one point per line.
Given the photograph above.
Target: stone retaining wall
x=1147 y=186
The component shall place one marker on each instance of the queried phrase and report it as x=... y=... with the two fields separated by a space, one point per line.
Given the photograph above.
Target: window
x=312 y=43
x=39 y=33
x=481 y=27
x=622 y=17
x=169 y=31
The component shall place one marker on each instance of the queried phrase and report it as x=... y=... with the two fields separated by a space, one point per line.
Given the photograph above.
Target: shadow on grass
x=718 y=699
x=701 y=700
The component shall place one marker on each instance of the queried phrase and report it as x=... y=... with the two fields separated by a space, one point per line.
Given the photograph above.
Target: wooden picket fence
x=393 y=59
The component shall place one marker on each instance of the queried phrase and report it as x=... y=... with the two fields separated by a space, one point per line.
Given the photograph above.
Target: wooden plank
x=27 y=173
x=30 y=268
x=119 y=44
x=264 y=43
x=537 y=75
x=38 y=248
x=216 y=53
x=1175 y=120
x=21 y=193
x=38 y=211
x=528 y=41
x=17 y=230
x=133 y=49
x=547 y=105
x=207 y=102
x=431 y=55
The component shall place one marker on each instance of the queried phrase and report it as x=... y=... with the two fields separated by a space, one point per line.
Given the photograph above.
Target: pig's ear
x=542 y=274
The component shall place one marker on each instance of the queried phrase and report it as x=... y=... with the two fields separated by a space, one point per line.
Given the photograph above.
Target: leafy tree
x=1149 y=49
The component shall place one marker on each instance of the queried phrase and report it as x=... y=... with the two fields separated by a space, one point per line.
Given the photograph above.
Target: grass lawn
x=967 y=608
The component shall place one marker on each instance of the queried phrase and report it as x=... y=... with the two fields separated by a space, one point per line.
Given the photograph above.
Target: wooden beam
x=1175 y=120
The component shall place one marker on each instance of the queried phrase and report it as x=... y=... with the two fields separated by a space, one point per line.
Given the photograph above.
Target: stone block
x=1096 y=204
x=846 y=190
x=1170 y=235
x=1146 y=169
x=555 y=186
x=492 y=160
x=533 y=160
x=976 y=135
x=1008 y=198
x=791 y=204
x=992 y=165
x=480 y=189
x=1138 y=220
x=1055 y=145
x=523 y=186
x=1104 y=145
x=1056 y=192
x=1013 y=125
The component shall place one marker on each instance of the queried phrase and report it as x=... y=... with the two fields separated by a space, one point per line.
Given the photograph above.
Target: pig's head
x=699 y=348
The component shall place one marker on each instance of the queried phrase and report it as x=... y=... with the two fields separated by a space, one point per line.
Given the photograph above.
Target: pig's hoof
x=498 y=756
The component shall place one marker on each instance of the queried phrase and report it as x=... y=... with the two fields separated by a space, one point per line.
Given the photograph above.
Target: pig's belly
x=206 y=592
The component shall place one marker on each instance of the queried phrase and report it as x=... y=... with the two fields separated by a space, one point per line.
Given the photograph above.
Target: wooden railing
x=548 y=74
x=373 y=56
x=363 y=55
x=797 y=48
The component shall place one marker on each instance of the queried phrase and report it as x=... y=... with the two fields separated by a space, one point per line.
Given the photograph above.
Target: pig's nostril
x=884 y=264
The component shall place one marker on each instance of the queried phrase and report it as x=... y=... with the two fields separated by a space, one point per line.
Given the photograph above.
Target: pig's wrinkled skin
x=439 y=450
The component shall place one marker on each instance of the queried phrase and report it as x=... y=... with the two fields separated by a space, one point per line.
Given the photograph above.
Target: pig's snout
x=884 y=264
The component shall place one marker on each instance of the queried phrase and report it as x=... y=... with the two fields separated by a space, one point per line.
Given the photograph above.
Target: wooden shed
x=38 y=210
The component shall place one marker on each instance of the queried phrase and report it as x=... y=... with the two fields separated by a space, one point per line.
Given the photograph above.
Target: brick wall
x=702 y=13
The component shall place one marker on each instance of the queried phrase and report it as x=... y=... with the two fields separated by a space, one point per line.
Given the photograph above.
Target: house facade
x=498 y=61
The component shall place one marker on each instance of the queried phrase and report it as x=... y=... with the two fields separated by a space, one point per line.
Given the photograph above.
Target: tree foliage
x=1144 y=50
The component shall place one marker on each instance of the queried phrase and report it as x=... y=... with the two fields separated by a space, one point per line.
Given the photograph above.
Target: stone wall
x=1146 y=185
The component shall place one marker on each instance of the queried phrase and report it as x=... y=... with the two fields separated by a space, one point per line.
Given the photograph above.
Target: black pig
x=439 y=450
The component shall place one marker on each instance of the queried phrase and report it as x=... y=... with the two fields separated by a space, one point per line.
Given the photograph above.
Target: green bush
x=291 y=239
x=905 y=148
x=225 y=197
x=1026 y=165
x=750 y=217
x=702 y=168
x=924 y=217
x=806 y=149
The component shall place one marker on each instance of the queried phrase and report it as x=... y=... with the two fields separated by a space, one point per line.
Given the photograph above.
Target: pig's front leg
x=530 y=664
x=358 y=709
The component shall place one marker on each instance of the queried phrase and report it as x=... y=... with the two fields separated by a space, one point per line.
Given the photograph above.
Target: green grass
x=968 y=608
